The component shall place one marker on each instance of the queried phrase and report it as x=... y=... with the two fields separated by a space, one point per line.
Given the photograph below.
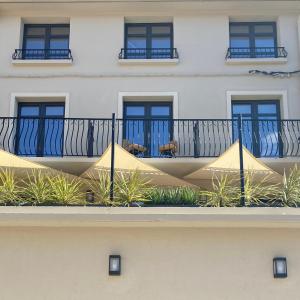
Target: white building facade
x=174 y=71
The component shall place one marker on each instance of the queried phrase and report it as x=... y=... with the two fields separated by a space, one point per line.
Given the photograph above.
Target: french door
x=148 y=124
x=260 y=125
x=40 y=129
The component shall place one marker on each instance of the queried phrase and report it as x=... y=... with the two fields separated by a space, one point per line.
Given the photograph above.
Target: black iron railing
x=257 y=52
x=148 y=138
x=21 y=54
x=148 y=53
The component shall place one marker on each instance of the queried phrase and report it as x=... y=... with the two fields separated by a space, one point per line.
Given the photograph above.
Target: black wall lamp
x=280 y=267
x=90 y=196
x=114 y=267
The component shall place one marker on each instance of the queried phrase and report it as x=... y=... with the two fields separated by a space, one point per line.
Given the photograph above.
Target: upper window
x=253 y=40
x=146 y=41
x=46 y=41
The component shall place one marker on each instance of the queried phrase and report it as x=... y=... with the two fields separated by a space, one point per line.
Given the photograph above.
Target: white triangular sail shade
x=128 y=163
x=22 y=166
x=229 y=163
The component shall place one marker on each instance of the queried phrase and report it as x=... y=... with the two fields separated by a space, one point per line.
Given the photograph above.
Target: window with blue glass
x=148 y=124
x=260 y=126
x=253 y=40
x=40 y=129
x=46 y=41
x=146 y=41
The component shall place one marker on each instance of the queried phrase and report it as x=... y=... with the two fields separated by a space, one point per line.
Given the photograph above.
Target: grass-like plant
x=289 y=194
x=224 y=192
x=175 y=196
x=10 y=192
x=259 y=192
x=36 y=188
x=99 y=184
x=130 y=188
x=65 y=191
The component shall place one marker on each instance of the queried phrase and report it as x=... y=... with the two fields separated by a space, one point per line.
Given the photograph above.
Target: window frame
x=147 y=116
x=47 y=36
x=39 y=152
x=254 y=118
x=149 y=35
x=251 y=35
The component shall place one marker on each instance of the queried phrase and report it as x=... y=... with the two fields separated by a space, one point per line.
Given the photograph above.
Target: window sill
x=28 y=62
x=168 y=61
x=241 y=61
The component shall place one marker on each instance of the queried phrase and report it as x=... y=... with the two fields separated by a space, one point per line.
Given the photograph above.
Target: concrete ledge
x=29 y=62
x=170 y=61
x=149 y=217
x=249 y=61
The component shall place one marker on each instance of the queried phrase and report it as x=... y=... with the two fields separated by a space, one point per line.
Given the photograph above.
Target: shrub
x=37 y=188
x=65 y=191
x=224 y=193
x=10 y=191
x=174 y=196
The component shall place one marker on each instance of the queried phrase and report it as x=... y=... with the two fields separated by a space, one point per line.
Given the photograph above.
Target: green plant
x=99 y=183
x=130 y=188
x=290 y=190
x=9 y=188
x=36 y=189
x=259 y=192
x=65 y=191
x=224 y=193
x=174 y=196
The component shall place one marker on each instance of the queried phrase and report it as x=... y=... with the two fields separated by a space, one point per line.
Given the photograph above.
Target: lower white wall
x=157 y=263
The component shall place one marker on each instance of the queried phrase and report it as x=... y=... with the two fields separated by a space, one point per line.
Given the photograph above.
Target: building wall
x=157 y=263
x=94 y=80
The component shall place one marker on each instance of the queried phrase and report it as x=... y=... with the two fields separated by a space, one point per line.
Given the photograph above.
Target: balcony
x=148 y=54
x=257 y=55
x=40 y=55
x=155 y=138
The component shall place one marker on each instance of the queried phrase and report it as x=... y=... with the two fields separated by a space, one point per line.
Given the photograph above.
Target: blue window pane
x=264 y=42
x=244 y=29
x=161 y=30
x=160 y=135
x=35 y=43
x=135 y=131
x=269 y=137
x=135 y=111
x=137 y=30
x=59 y=44
x=239 y=42
x=55 y=111
x=136 y=42
x=239 y=109
x=160 y=111
x=267 y=109
x=29 y=111
x=161 y=42
x=265 y=28
x=28 y=137
x=53 y=141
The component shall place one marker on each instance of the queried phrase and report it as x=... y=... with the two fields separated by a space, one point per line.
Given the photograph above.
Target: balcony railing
x=22 y=54
x=148 y=53
x=258 y=52
x=147 y=138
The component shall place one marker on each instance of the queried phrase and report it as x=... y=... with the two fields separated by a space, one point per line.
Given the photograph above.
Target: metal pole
x=112 y=161
x=242 y=174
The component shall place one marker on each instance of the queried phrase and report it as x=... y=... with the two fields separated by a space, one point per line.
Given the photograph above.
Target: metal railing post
x=242 y=174
x=112 y=161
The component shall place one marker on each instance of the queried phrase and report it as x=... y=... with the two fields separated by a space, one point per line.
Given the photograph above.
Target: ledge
x=242 y=61
x=169 y=61
x=150 y=217
x=28 y=62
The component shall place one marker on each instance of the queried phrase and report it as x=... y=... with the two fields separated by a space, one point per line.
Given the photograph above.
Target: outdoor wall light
x=279 y=267
x=89 y=196
x=114 y=265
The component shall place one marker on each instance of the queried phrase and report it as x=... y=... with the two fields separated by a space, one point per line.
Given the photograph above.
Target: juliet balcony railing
x=148 y=53
x=23 y=54
x=257 y=52
x=167 y=138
